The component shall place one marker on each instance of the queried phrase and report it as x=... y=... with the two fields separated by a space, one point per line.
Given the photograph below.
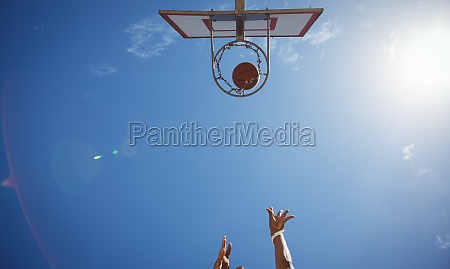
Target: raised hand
x=223 y=260
x=276 y=222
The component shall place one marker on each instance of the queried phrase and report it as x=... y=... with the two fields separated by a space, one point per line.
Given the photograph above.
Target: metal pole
x=211 y=37
x=268 y=43
x=239 y=6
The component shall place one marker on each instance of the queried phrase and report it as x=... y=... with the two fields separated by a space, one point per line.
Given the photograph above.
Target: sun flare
x=423 y=61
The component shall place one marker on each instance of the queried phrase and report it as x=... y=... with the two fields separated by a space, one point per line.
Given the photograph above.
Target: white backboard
x=282 y=22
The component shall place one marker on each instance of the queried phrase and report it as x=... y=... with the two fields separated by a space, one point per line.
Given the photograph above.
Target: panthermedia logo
x=239 y=134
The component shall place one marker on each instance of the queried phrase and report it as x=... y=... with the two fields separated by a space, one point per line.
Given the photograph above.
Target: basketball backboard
x=282 y=22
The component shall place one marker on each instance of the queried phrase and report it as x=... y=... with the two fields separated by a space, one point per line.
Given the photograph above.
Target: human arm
x=283 y=259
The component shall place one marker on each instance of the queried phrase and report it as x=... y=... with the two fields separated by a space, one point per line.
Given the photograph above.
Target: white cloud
x=365 y=24
x=391 y=48
x=39 y=27
x=361 y=8
x=327 y=30
x=407 y=152
x=286 y=53
x=443 y=242
x=258 y=4
x=224 y=6
x=90 y=95
x=101 y=69
x=287 y=50
x=423 y=171
x=150 y=37
x=422 y=4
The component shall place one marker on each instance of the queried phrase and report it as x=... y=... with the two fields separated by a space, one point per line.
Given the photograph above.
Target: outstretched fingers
x=290 y=217
x=224 y=242
x=270 y=210
x=228 y=252
x=222 y=247
x=286 y=217
x=224 y=255
x=279 y=213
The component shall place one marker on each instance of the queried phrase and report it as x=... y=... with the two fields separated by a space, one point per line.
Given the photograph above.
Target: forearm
x=283 y=259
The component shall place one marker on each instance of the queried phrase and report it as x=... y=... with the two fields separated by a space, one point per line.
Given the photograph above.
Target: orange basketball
x=245 y=76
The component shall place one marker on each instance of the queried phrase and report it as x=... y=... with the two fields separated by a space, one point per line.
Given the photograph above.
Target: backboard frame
x=171 y=17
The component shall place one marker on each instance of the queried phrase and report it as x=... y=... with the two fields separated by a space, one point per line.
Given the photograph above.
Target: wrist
x=277 y=234
x=273 y=231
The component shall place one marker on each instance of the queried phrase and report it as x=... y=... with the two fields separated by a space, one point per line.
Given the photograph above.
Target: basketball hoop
x=246 y=88
x=239 y=24
x=239 y=42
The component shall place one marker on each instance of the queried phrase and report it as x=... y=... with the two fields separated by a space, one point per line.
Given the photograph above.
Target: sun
x=423 y=60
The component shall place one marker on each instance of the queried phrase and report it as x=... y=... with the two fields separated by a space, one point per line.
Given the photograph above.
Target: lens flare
x=127 y=150
x=7 y=183
x=72 y=166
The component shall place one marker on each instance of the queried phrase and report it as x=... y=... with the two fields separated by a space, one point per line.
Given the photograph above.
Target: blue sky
x=371 y=80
